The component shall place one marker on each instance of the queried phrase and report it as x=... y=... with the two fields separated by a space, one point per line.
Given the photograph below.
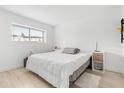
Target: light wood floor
x=110 y=79
x=21 y=78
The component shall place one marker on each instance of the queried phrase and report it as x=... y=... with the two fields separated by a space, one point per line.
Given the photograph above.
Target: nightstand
x=98 y=61
x=25 y=61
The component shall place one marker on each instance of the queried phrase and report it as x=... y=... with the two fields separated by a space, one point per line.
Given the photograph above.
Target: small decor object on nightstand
x=55 y=48
x=98 y=61
x=97 y=47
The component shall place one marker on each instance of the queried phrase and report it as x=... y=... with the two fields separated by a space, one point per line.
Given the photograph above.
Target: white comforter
x=56 y=67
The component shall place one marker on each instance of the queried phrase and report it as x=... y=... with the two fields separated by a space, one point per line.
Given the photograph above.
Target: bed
x=57 y=68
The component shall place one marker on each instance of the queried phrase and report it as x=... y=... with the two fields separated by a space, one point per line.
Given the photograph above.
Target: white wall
x=99 y=24
x=12 y=53
x=123 y=44
x=123 y=59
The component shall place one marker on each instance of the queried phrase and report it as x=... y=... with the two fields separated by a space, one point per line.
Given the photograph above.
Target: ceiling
x=53 y=14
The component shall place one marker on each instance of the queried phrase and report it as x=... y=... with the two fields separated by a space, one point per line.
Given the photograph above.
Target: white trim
x=25 y=26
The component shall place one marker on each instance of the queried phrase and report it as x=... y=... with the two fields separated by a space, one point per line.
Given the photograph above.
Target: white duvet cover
x=56 y=67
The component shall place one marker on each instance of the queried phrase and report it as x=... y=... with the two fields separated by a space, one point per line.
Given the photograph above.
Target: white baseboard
x=116 y=71
x=10 y=67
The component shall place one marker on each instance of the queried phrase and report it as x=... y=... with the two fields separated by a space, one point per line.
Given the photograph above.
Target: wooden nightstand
x=25 y=61
x=98 y=61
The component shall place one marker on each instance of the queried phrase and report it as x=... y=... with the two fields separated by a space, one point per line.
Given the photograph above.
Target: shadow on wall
x=114 y=61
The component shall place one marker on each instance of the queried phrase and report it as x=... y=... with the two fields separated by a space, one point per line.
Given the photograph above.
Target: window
x=20 y=33
x=36 y=35
x=23 y=33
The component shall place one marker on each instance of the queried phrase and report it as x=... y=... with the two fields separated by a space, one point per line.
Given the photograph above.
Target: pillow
x=77 y=50
x=71 y=50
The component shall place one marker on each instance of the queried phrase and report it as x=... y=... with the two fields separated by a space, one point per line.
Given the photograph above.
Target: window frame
x=44 y=38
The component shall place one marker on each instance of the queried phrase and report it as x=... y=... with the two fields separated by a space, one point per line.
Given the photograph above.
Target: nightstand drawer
x=98 y=57
x=98 y=66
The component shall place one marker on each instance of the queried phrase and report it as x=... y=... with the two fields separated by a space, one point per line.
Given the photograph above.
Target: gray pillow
x=71 y=50
x=77 y=50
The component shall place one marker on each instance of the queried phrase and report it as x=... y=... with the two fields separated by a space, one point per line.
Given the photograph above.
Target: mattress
x=76 y=74
x=56 y=67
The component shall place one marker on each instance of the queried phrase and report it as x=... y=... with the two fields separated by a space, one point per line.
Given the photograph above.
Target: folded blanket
x=71 y=50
